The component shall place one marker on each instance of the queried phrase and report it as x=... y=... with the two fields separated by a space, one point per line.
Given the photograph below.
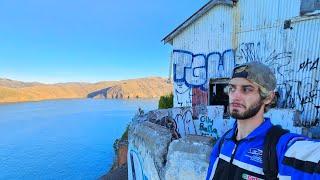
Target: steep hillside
x=16 y=84
x=144 y=88
x=16 y=91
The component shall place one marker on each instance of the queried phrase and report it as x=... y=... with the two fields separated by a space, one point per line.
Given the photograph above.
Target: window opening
x=218 y=95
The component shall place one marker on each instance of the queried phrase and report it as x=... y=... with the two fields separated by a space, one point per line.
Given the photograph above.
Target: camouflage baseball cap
x=257 y=73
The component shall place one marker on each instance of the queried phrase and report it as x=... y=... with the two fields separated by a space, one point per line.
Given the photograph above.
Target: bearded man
x=254 y=148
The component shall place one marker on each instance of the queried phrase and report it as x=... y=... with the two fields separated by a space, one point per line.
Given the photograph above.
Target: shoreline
x=60 y=99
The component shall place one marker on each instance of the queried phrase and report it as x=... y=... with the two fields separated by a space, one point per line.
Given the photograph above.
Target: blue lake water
x=62 y=139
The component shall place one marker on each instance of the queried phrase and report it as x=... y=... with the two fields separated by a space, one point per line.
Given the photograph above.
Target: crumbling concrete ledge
x=153 y=155
x=188 y=158
x=148 y=148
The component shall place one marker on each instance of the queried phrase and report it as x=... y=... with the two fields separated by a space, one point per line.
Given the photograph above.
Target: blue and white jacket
x=298 y=156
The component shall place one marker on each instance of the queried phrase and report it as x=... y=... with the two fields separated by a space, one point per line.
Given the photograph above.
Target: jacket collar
x=261 y=130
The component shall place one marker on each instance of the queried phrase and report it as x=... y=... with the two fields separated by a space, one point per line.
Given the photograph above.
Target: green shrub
x=166 y=101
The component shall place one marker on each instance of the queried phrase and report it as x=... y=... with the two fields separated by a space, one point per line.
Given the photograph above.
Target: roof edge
x=204 y=9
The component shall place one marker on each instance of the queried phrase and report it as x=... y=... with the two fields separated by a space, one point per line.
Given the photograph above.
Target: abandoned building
x=283 y=34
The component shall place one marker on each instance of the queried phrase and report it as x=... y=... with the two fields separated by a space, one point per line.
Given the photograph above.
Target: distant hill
x=16 y=84
x=17 y=91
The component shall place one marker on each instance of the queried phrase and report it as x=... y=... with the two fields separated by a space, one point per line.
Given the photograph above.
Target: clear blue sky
x=88 y=40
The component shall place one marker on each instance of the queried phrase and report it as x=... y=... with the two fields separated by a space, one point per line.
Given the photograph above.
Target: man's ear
x=269 y=98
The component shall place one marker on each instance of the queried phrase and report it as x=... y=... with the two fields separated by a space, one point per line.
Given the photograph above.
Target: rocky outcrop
x=119 y=169
x=120 y=173
x=122 y=153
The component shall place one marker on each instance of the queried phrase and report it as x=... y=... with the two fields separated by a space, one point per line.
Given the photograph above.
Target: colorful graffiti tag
x=210 y=122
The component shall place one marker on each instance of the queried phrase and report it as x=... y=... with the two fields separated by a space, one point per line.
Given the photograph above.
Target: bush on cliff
x=166 y=101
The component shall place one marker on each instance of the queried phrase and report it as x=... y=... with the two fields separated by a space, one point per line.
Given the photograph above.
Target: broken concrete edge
x=188 y=157
x=154 y=138
x=158 y=142
x=195 y=144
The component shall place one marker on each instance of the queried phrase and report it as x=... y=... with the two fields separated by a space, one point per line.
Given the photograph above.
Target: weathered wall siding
x=262 y=14
x=293 y=54
x=305 y=80
x=252 y=30
x=208 y=33
x=207 y=38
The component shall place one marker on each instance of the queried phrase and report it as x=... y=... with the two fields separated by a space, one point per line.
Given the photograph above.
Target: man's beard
x=252 y=111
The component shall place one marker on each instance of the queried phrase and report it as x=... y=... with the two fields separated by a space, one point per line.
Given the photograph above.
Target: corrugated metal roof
x=204 y=9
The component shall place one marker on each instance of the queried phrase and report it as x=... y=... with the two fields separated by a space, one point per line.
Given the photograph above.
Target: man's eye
x=247 y=89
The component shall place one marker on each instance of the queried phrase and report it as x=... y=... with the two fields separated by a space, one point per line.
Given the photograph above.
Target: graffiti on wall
x=184 y=121
x=182 y=95
x=211 y=124
x=302 y=95
x=309 y=65
x=206 y=122
x=278 y=61
x=192 y=73
x=194 y=69
x=295 y=86
x=135 y=166
x=302 y=91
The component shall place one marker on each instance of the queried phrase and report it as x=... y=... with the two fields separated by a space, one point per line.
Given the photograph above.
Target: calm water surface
x=62 y=139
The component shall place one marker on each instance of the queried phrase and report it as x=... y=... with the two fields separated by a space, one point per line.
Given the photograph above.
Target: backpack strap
x=269 y=155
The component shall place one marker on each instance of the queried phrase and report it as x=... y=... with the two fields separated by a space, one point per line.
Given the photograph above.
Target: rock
x=120 y=173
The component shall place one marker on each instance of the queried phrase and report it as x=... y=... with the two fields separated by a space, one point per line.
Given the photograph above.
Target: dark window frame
x=222 y=97
x=309 y=6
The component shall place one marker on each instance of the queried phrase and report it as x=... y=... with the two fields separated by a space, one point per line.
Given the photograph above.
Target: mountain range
x=18 y=91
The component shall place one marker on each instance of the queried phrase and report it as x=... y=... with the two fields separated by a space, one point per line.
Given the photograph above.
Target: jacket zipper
x=232 y=158
x=234 y=152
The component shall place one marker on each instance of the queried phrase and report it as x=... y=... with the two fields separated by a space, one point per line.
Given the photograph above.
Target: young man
x=239 y=153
